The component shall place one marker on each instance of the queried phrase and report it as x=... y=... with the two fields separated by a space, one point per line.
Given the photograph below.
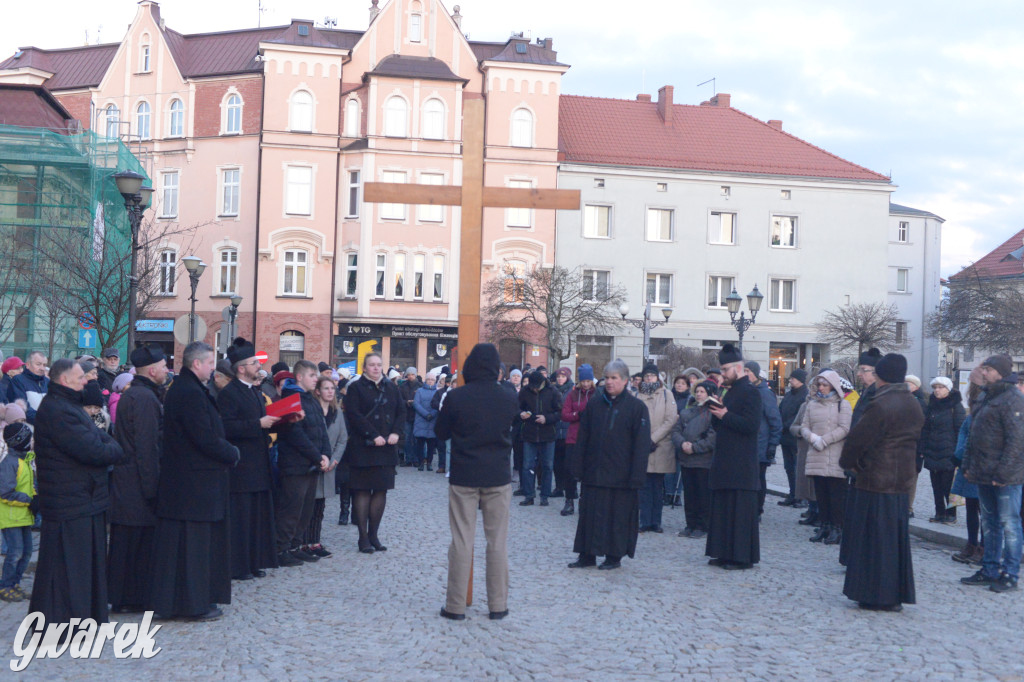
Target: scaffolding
x=53 y=180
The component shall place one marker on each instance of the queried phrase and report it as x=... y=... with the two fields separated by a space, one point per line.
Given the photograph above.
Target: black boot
x=811 y=520
x=343 y=515
x=835 y=536
x=569 y=509
x=821 y=533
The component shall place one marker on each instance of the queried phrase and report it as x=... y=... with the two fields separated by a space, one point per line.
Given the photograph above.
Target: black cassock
x=192 y=550
x=251 y=507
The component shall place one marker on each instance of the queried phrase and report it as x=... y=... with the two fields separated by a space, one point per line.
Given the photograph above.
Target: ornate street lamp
x=195 y=267
x=647 y=324
x=236 y=301
x=733 y=302
x=136 y=200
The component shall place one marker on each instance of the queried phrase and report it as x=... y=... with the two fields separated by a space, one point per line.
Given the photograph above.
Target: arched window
x=112 y=114
x=352 y=118
x=144 y=57
x=233 y=120
x=142 y=116
x=177 y=119
x=522 y=128
x=302 y=111
x=433 y=119
x=415 y=28
x=396 y=117
x=168 y=272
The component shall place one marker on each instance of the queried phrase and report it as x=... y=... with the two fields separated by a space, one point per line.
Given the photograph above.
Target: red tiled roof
x=76 y=67
x=706 y=137
x=32 y=106
x=402 y=66
x=1007 y=260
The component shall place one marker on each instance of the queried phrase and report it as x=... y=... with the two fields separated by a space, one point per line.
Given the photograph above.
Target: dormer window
x=144 y=54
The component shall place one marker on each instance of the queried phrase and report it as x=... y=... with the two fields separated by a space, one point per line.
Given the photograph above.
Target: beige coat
x=825 y=425
x=661 y=407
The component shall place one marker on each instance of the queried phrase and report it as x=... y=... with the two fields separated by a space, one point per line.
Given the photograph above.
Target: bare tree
x=675 y=359
x=860 y=326
x=18 y=289
x=981 y=313
x=549 y=307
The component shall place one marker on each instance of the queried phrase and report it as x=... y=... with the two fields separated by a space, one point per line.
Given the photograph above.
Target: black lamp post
x=136 y=201
x=195 y=267
x=236 y=301
x=733 y=302
x=647 y=324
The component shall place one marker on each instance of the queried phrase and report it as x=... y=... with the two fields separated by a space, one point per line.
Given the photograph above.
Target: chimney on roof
x=665 y=103
x=374 y=10
x=722 y=99
x=457 y=17
x=643 y=98
x=775 y=123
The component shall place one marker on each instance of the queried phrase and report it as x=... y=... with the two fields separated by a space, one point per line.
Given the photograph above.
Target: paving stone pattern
x=665 y=615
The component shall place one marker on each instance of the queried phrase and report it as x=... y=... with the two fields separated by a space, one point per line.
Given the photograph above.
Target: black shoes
x=302 y=555
x=717 y=562
x=453 y=616
x=285 y=559
x=319 y=550
x=732 y=566
x=685 y=533
x=979 y=578
x=569 y=509
x=834 y=537
x=518 y=492
x=811 y=520
x=891 y=608
x=343 y=518
x=375 y=543
x=497 y=615
x=365 y=547
x=247 y=576
x=528 y=502
x=698 y=534
x=259 y=573
x=821 y=533
x=656 y=529
x=787 y=501
x=585 y=561
x=609 y=564
x=1004 y=584
x=213 y=614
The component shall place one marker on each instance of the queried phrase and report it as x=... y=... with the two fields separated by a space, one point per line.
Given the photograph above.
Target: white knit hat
x=911 y=379
x=942 y=381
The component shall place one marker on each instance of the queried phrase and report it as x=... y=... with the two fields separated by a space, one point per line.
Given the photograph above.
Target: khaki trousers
x=462 y=505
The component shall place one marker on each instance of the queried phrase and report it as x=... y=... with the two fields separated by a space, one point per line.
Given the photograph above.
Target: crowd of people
x=154 y=491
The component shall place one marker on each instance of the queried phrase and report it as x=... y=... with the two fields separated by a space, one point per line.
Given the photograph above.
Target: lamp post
x=647 y=324
x=195 y=267
x=236 y=301
x=136 y=201
x=733 y=302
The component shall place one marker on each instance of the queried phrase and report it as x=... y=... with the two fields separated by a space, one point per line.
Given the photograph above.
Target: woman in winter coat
x=694 y=439
x=943 y=418
x=661 y=407
x=423 y=426
x=825 y=425
x=572 y=407
x=804 y=485
x=974 y=550
x=326 y=393
x=563 y=384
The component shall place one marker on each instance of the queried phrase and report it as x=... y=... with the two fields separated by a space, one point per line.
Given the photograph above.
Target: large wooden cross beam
x=473 y=196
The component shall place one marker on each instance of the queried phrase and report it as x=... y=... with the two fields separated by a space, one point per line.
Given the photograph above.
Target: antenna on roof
x=260 y=9
x=714 y=87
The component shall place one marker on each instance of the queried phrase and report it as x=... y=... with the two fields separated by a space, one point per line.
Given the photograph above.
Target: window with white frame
x=301 y=111
x=522 y=128
x=380 y=275
x=901 y=334
x=418 y=263
x=902 y=280
x=168 y=273
x=396 y=117
x=430 y=213
x=519 y=217
x=438 y=278
x=233 y=115
x=176 y=120
x=595 y=284
x=722 y=228
x=392 y=211
x=903 y=232
x=295 y=272
x=399 y=275
x=227 y=271
x=351 y=274
x=784 y=231
x=514 y=273
x=299 y=194
x=352 y=118
x=782 y=297
x=659 y=288
x=230 y=191
x=415 y=28
x=144 y=58
x=112 y=117
x=433 y=119
x=719 y=288
x=142 y=119
x=659 y=224
x=597 y=221
x=169 y=198
x=353 y=194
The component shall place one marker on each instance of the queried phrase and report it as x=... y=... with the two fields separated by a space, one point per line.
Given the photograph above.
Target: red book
x=285 y=406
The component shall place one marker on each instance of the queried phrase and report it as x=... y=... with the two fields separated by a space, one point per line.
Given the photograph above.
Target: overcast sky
x=930 y=92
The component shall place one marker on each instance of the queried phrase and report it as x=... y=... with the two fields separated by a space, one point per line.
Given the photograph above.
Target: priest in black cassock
x=192 y=547
x=733 y=536
x=133 y=484
x=610 y=460
x=246 y=423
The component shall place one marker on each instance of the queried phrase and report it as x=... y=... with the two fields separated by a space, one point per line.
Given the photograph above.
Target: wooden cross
x=473 y=196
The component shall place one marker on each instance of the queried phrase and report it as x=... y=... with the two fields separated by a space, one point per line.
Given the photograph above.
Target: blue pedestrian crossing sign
x=86 y=338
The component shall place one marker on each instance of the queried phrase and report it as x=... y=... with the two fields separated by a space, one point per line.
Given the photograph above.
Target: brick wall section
x=79 y=107
x=210 y=95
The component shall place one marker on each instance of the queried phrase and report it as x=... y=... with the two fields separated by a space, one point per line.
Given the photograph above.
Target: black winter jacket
x=407 y=389
x=734 y=465
x=866 y=396
x=613 y=443
x=995 y=447
x=942 y=421
x=788 y=408
x=139 y=426
x=73 y=457
x=301 y=444
x=478 y=418
x=194 y=481
x=547 y=402
x=241 y=409
x=694 y=426
x=372 y=410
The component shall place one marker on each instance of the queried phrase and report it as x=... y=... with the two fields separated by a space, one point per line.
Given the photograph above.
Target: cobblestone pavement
x=664 y=615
